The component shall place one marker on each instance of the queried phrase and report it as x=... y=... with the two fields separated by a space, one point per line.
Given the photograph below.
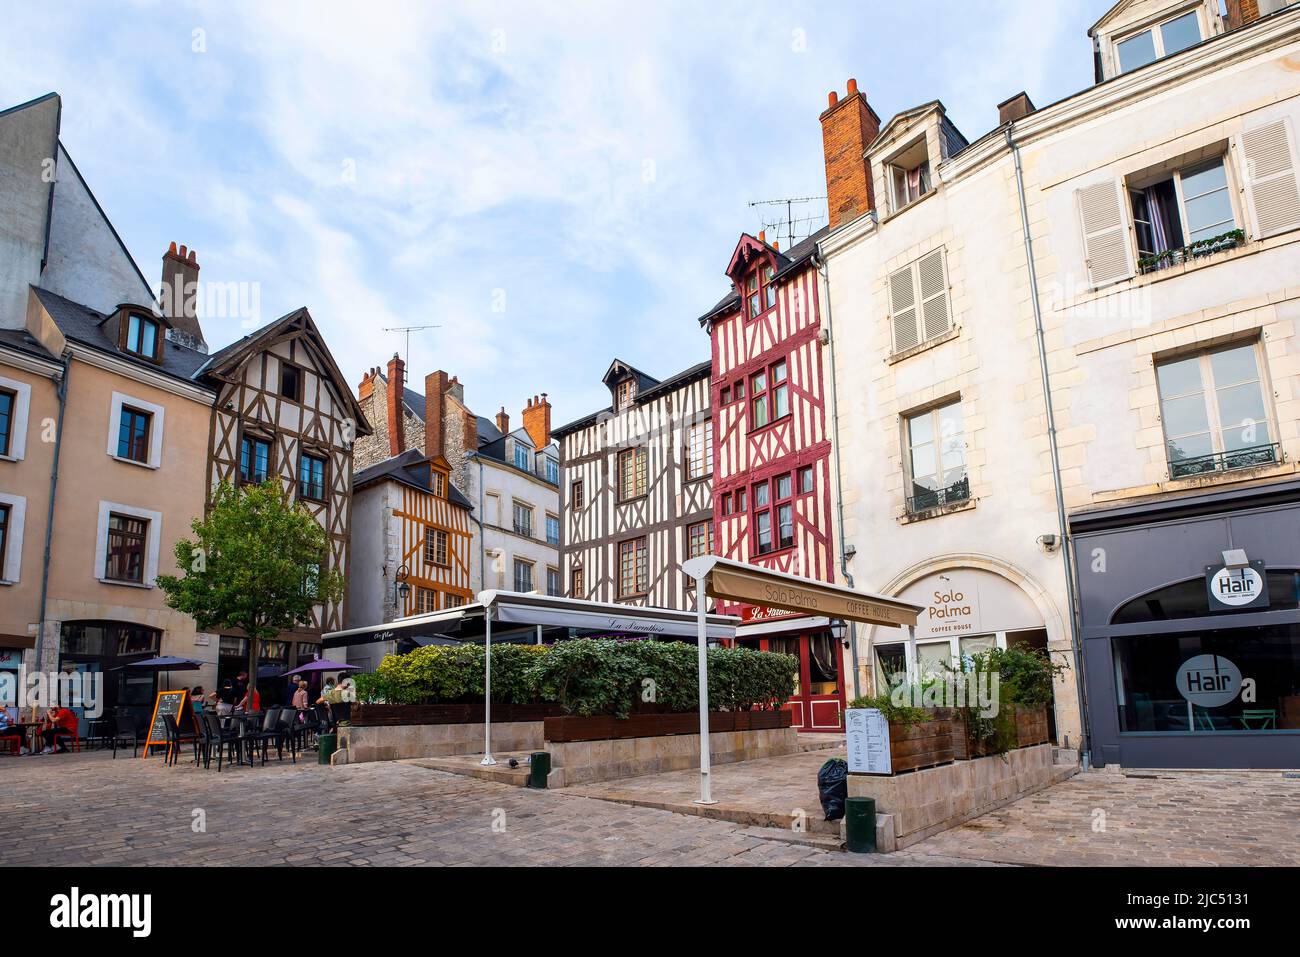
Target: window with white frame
x=699 y=451
x=523 y=575
x=909 y=174
x=126 y=544
x=135 y=430
x=1215 y=412
x=523 y=516
x=918 y=301
x=1157 y=41
x=1186 y=212
x=523 y=457
x=552 y=529
x=13 y=512
x=15 y=401
x=552 y=470
x=936 y=458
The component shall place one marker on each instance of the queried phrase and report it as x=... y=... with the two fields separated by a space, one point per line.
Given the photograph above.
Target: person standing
x=226 y=698
x=300 y=696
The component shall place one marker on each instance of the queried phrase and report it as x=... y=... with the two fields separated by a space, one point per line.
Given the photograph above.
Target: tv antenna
x=788 y=203
x=408 y=330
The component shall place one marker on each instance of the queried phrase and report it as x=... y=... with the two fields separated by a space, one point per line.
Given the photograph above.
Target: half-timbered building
x=284 y=411
x=771 y=460
x=637 y=489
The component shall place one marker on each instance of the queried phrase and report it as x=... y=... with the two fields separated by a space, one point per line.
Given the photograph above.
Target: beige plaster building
x=1135 y=247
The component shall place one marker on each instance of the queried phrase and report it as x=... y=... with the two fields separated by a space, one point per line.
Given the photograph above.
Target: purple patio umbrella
x=320 y=664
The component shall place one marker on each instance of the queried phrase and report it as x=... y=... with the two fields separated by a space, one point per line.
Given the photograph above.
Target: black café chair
x=263 y=735
x=177 y=739
x=126 y=728
x=222 y=739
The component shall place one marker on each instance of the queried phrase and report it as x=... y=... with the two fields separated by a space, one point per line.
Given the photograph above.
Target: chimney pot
x=1015 y=108
x=853 y=86
x=537 y=420
x=831 y=99
x=179 y=294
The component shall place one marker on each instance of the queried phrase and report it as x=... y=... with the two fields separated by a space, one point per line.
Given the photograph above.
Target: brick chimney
x=436 y=385
x=180 y=293
x=848 y=128
x=366 y=387
x=503 y=421
x=396 y=388
x=1242 y=12
x=1016 y=108
x=537 y=420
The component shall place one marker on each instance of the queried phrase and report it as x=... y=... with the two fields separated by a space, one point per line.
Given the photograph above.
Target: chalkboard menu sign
x=174 y=703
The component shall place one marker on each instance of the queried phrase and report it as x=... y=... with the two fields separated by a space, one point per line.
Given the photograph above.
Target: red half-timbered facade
x=771 y=478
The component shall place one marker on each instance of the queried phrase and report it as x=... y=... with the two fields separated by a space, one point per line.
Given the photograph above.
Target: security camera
x=1050 y=542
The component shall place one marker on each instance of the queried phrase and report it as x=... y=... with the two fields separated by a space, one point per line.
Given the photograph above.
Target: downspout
x=478 y=520
x=49 y=516
x=824 y=271
x=1067 y=544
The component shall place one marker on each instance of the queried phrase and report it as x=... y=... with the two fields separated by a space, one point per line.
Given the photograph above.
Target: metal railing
x=926 y=499
x=1205 y=247
x=1225 y=461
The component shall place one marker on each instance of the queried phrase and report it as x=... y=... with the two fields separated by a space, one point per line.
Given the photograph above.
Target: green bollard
x=860 y=825
x=326 y=744
x=539 y=767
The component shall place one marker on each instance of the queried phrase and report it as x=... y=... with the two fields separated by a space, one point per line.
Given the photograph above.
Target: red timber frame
x=747 y=459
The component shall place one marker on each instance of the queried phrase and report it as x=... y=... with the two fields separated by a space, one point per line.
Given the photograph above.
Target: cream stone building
x=1129 y=253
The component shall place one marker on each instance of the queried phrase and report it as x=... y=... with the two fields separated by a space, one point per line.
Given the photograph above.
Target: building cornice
x=1213 y=55
x=129 y=370
x=22 y=360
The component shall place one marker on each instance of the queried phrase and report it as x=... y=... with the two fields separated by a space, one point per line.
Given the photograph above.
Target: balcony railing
x=1225 y=461
x=1204 y=247
x=926 y=499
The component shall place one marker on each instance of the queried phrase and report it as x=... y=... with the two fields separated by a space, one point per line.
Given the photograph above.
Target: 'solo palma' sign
x=1234 y=588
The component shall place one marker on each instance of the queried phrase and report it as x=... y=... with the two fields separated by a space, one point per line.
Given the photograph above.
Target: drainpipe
x=824 y=270
x=49 y=516
x=1067 y=544
x=478 y=520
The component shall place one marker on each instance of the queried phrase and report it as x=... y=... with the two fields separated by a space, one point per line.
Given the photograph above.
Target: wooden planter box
x=923 y=745
x=1027 y=727
x=388 y=715
x=602 y=727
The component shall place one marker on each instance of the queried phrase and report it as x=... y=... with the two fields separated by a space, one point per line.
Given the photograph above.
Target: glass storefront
x=1178 y=682
x=103 y=647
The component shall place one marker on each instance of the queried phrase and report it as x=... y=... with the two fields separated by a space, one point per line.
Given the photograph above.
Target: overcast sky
x=554 y=184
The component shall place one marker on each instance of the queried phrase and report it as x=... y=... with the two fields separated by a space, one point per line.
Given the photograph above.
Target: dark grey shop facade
x=1190 y=625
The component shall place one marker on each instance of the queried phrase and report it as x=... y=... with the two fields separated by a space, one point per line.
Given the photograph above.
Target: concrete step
x=825 y=841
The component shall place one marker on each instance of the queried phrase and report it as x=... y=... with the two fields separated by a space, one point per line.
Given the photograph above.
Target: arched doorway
x=103 y=647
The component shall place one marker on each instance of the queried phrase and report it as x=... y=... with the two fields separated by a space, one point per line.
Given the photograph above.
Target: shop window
x=1162 y=40
x=633 y=568
x=1214 y=412
x=823 y=664
x=936 y=458
x=1195 y=682
x=891 y=666
x=934 y=658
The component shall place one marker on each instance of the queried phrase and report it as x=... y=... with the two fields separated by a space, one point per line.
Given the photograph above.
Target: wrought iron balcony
x=1225 y=461
x=926 y=499
x=1204 y=247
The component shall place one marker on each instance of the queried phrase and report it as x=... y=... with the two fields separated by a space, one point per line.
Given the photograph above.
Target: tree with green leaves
x=256 y=562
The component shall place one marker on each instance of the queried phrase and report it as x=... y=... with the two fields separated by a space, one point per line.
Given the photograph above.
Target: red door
x=818 y=700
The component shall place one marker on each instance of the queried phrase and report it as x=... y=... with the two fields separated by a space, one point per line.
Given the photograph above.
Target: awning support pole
x=487 y=693
x=702 y=643
x=911 y=654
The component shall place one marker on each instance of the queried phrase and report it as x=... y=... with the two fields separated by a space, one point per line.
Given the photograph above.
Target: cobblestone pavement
x=1143 y=818
x=88 y=809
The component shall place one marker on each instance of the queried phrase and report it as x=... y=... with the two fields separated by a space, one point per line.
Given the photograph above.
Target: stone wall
x=398 y=742
x=581 y=762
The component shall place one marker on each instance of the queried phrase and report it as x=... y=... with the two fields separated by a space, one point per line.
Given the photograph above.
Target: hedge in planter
x=447 y=674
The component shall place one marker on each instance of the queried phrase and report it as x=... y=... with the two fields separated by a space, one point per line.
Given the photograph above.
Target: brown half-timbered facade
x=284 y=411
x=636 y=489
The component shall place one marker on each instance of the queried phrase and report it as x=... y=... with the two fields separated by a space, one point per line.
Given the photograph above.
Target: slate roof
x=84 y=325
x=700 y=370
x=406 y=469
x=21 y=341
x=793 y=258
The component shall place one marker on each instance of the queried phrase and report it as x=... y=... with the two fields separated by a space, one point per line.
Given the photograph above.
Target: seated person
x=9 y=729
x=59 y=724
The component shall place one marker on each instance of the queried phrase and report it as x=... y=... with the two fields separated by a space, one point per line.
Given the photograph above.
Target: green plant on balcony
x=1202 y=247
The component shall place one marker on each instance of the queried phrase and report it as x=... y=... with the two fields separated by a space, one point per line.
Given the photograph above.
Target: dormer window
x=760 y=291
x=438 y=483
x=624 y=392
x=143 y=337
x=521 y=457
x=909 y=175
x=1161 y=40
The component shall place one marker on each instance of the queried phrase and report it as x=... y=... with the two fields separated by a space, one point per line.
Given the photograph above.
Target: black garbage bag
x=833 y=787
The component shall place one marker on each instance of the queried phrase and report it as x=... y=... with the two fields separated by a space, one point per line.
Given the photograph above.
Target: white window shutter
x=1106 y=246
x=1271 y=179
x=932 y=280
x=903 y=308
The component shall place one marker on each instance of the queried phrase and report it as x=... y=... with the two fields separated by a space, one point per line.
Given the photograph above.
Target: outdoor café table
x=29 y=731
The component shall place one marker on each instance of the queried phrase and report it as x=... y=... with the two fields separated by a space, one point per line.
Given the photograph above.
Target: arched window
x=1188 y=599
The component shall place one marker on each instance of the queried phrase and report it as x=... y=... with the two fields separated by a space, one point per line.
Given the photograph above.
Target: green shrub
x=1025 y=674
x=902 y=715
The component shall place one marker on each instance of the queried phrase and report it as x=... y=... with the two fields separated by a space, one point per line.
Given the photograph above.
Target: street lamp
x=400 y=588
x=839 y=631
